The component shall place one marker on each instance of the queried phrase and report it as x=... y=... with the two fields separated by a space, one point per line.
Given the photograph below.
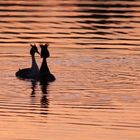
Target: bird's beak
x=38 y=52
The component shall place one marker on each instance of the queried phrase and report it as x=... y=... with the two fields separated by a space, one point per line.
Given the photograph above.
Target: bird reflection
x=44 y=102
x=44 y=98
x=33 y=87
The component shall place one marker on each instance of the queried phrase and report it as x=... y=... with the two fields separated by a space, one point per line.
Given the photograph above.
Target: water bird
x=33 y=72
x=44 y=74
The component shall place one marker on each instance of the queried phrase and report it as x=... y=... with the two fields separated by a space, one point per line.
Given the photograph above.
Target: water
x=96 y=92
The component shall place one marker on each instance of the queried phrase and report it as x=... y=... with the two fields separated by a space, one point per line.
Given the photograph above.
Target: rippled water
x=96 y=92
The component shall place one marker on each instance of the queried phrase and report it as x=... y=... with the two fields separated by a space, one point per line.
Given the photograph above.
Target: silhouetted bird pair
x=43 y=74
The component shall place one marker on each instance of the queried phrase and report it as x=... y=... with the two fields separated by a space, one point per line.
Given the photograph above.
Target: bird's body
x=30 y=73
x=44 y=74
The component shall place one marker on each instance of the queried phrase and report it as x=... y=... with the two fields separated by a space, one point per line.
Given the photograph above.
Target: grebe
x=33 y=72
x=44 y=74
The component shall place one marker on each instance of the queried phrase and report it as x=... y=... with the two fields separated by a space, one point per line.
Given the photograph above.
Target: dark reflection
x=33 y=87
x=44 y=102
x=105 y=13
x=44 y=97
x=20 y=4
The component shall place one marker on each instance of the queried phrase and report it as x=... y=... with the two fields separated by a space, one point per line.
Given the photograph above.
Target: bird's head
x=44 y=50
x=34 y=49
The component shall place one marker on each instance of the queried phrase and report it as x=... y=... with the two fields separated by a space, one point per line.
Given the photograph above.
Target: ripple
x=83 y=19
x=95 y=57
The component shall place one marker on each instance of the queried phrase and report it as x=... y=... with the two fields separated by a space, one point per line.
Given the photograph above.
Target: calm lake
x=95 y=57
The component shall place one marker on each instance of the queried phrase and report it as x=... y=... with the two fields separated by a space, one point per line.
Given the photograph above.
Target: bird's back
x=27 y=74
x=23 y=73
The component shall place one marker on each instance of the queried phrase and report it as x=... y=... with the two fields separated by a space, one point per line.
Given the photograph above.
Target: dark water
x=71 y=23
x=96 y=92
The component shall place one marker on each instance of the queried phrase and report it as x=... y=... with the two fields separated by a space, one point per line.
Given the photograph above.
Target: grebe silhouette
x=44 y=74
x=33 y=72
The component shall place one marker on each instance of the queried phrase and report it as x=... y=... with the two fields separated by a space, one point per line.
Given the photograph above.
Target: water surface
x=96 y=92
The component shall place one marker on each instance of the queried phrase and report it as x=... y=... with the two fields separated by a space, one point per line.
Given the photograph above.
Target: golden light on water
x=96 y=92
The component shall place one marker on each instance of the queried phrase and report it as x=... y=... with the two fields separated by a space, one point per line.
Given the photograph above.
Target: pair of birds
x=43 y=74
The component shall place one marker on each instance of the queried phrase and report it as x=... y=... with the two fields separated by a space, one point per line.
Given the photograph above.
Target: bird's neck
x=34 y=63
x=44 y=67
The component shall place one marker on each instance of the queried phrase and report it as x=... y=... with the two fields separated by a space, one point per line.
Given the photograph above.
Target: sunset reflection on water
x=96 y=92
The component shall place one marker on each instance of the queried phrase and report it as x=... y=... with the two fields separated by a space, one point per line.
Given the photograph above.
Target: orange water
x=96 y=92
